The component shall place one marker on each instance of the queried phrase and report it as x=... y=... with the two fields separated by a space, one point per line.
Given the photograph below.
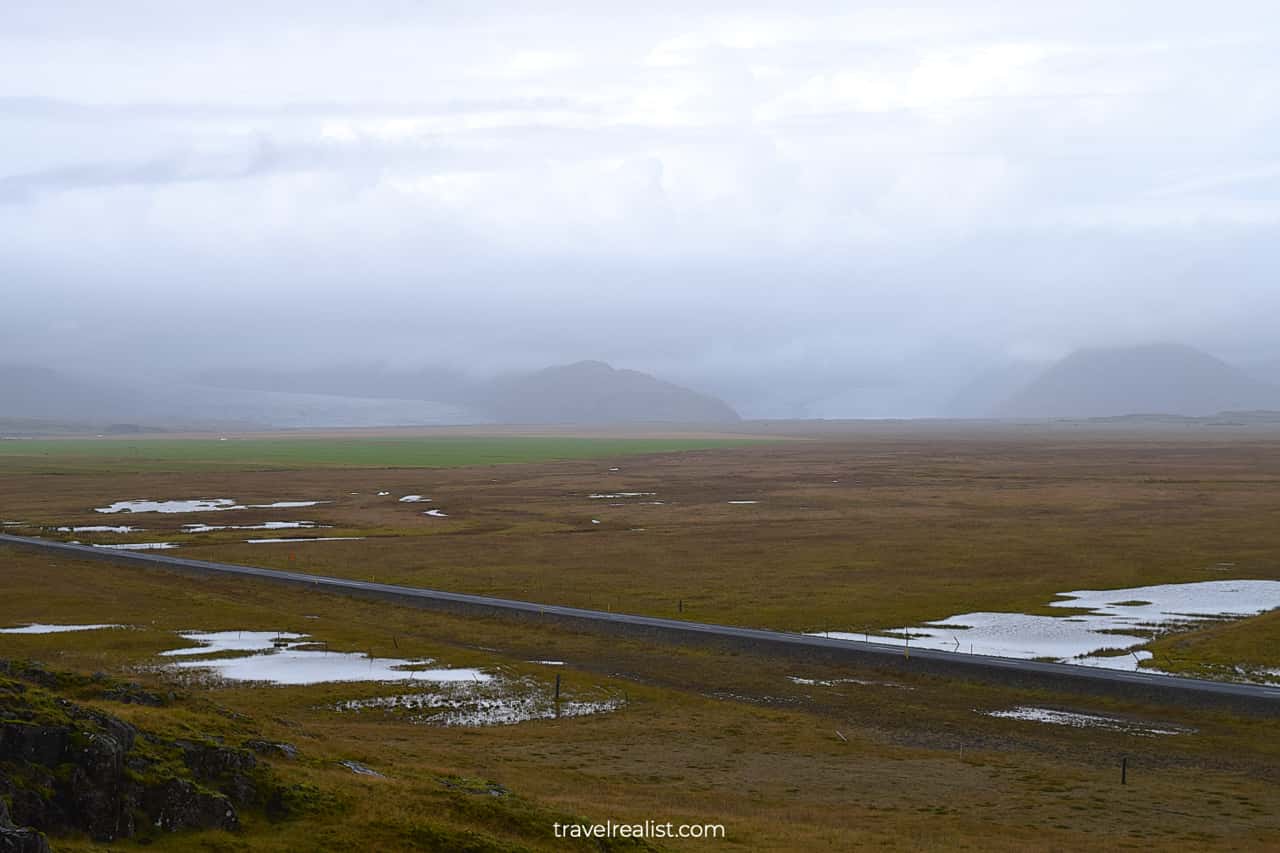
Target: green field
x=236 y=454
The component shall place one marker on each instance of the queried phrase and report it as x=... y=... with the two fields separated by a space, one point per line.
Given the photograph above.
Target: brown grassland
x=861 y=531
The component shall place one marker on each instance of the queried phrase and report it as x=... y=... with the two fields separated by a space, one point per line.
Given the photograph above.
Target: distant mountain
x=39 y=393
x=592 y=392
x=439 y=384
x=1266 y=371
x=38 y=400
x=988 y=390
x=1151 y=379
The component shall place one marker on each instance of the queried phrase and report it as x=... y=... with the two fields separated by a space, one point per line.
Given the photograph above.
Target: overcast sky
x=840 y=209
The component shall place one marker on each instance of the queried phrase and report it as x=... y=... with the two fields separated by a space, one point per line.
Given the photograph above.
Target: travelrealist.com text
x=647 y=829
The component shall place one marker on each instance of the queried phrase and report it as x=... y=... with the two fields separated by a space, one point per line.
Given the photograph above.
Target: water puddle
x=1128 y=660
x=1081 y=721
x=217 y=642
x=495 y=703
x=435 y=513
x=198 y=505
x=836 y=682
x=305 y=539
x=1116 y=623
x=741 y=503
x=101 y=528
x=613 y=495
x=289 y=659
x=414 y=499
x=266 y=525
x=38 y=628
x=140 y=546
x=361 y=769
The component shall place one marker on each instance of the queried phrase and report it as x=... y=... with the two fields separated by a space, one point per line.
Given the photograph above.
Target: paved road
x=1034 y=673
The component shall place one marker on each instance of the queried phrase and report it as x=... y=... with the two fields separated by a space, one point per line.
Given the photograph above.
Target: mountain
x=38 y=400
x=985 y=392
x=33 y=392
x=439 y=384
x=1265 y=371
x=592 y=392
x=1150 y=379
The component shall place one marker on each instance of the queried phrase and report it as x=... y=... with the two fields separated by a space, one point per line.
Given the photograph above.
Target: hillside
x=39 y=393
x=1151 y=379
x=42 y=401
x=989 y=389
x=592 y=392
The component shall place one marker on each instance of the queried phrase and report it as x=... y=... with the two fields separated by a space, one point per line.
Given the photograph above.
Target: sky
x=819 y=209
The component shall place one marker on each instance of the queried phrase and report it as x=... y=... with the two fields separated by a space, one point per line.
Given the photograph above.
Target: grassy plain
x=704 y=737
x=118 y=455
x=869 y=530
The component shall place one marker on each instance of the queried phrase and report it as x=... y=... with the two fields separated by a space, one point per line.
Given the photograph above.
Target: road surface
x=1141 y=685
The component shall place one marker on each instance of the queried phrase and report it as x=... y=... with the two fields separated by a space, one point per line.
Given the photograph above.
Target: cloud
x=822 y=199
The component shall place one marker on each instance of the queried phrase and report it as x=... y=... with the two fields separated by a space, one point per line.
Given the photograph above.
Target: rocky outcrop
x=65 y=767
x=85 y=776
x=272 y=748
x=15 y=839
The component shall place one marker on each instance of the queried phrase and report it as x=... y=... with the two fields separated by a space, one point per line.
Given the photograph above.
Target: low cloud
x=820 y=211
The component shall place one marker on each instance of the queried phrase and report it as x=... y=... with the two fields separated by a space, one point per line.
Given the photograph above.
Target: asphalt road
x=1090 y=679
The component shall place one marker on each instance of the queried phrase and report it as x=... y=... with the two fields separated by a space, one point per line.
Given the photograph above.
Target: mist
x=822 y=213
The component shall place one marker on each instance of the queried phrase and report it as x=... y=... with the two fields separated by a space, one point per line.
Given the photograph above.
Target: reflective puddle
x=500 y=702
x=266 y=525
x=836 y=682
x=1081 y=721
x=305 y=539
x=1108 y=634
x=38 y=628
x=140 y=546
x=198 y=505
x=284 y=658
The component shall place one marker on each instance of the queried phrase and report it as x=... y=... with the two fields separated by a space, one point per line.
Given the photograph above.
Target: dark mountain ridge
x=1162 y=378
x=592 y=392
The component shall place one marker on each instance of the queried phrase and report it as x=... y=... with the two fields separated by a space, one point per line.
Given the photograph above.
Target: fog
x=839 y=210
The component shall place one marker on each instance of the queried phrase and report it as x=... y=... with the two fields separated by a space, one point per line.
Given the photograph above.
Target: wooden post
x=557 y=688
x=1124 y=770
x=680 y=606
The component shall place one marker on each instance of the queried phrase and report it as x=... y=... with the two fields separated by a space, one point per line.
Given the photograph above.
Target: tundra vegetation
x=865 y=531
